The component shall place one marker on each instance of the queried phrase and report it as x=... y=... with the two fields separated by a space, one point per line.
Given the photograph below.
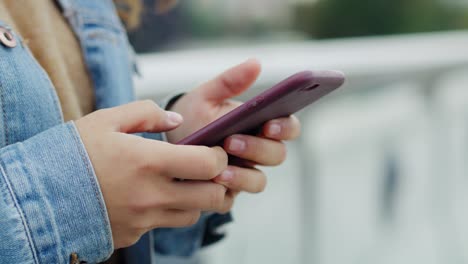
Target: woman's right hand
x=138 y=177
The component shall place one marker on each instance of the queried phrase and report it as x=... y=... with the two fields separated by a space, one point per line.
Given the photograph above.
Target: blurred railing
x=380 y=174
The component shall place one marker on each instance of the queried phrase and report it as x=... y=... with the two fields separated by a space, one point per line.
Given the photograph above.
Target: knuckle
x=153 y=110
x=137 y=224
x=207 y=164
x=261 y=184
x=227 y=206
x=165 y=200
x=161 y=199
x=192 y=219
x=137 y=207
x=149 y=104
x=217 y=197
x=146 y=202
x=102 y=114
x=222 y=157
x=219 y=161
x=149 y=164
x=146 y=164
x=282 y=154
x=209 y=168
x=150 y=223
x=152 y=107
x=103 y=117
x=130 y=240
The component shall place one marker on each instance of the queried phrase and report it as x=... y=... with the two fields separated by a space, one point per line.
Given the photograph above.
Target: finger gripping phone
x=282 y=100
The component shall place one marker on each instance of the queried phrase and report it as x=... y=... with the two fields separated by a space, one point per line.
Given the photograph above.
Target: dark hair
x=130 y=10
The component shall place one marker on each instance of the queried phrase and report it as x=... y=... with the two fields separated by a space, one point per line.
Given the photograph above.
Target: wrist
x=170 y=105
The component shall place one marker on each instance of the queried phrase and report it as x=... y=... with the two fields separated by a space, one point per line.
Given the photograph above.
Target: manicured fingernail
x=226 y=176
x=274 y=129
x=237 y=145
x=174 y=118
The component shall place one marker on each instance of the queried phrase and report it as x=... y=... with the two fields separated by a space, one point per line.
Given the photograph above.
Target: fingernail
x=274 y=129
x=174 y=118
x=226 y=176
x=237 y=145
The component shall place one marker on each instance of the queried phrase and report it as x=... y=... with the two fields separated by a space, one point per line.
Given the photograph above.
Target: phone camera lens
x=310 y=88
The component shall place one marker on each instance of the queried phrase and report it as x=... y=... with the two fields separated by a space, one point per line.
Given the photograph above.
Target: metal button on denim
x=6 y=38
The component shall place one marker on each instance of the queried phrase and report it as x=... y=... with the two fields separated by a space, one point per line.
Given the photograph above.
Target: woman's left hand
x=212 y=100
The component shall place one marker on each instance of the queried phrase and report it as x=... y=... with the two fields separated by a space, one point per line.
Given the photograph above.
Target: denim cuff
x=166 y=104
x=184 y=242
x=55 y=189
x=212 y=229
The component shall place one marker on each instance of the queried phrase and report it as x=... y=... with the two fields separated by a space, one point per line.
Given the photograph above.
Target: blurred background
x=380 y=174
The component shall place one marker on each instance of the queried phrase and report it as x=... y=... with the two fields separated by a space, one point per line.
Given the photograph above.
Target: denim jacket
x=51 y=205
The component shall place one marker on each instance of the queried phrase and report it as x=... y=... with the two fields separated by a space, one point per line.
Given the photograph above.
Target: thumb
x=231 y=82
x=142 y=116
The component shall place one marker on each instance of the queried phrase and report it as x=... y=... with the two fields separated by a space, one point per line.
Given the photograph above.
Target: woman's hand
x=212 y=100
x=138 y=176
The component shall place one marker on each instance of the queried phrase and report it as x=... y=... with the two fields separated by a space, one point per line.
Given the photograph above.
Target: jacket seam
x=93 y=180
x=24 y=221
x=2 y=97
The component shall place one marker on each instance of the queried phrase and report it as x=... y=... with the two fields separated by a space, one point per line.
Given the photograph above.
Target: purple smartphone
x=283 y=99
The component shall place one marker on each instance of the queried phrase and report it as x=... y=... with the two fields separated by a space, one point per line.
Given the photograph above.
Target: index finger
x=231 y=82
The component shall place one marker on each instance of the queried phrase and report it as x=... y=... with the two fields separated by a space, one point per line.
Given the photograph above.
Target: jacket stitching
x=24 y=221
x=92 y=179
x=2 y=97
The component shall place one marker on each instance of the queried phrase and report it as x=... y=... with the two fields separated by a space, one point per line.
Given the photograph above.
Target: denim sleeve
x=51 y=205
x=184 y=242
